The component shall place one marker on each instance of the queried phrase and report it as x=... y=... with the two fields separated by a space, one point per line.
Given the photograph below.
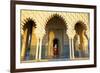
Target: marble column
x=72 y=48
x=37 y=49
x=40 y=48
x=68 y=32
x=71 y=34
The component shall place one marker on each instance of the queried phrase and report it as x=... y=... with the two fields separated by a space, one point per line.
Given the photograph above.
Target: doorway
x=56 y=29
x=58 y=40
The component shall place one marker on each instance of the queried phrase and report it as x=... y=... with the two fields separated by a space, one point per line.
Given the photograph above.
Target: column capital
x=71 y=33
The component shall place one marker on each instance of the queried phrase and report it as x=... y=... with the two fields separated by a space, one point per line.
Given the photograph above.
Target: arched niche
x=81 y=42
x=28 y=27
x=56 y=28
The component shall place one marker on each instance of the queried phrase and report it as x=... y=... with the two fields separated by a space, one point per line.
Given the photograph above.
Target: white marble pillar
x=73 y=51
x=68 y=32
x=71 y=34
x=72 y=48
x=37 y=49
x=40 y=48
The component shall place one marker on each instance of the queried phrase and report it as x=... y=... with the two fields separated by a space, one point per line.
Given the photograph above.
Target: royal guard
x=55 y=48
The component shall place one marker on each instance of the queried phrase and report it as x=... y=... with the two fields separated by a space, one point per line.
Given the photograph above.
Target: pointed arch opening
x=56 y=29
x=28 y=28
x=81 y=42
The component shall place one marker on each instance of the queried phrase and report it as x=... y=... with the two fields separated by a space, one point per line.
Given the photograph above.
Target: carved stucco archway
x=41 y=19
x=81 y=41
x=56 y=24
